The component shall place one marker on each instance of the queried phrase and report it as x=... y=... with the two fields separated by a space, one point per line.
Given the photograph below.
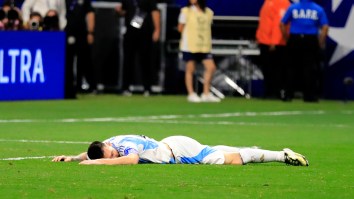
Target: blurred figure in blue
x=308 y=32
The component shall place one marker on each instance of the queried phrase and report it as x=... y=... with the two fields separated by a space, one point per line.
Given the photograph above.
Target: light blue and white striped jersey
x=148 y=149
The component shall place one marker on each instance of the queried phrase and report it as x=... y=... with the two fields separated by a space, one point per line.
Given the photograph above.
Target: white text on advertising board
x=22 y=66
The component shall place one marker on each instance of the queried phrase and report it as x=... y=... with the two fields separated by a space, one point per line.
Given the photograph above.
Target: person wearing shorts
x=139 y=149
x=194 y=24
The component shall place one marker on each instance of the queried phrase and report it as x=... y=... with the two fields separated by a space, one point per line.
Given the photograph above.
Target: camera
x=34 y=25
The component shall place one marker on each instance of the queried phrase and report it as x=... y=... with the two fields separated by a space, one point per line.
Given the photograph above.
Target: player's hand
x=62 y=158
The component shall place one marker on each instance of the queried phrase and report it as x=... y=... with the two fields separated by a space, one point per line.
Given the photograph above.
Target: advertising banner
x=32 y=65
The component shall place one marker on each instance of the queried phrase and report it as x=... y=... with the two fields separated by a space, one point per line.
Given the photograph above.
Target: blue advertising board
x=32 y=65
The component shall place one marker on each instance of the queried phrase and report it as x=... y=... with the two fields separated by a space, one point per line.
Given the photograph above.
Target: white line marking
x=172 y=118
x=238 y=123
x=17 y=121
x=27 y=158
x=168 y=117
x=45 y=141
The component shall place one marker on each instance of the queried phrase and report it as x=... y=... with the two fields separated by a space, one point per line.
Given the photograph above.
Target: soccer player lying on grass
x=134 y=149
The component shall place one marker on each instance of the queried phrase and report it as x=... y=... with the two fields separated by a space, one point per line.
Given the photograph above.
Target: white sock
x=259 y=155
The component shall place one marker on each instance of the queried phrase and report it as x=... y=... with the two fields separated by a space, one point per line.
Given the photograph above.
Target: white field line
x=238 y=123
x=172 y=119
x=38 y=141
x=167 y=117
x=45 y=141
x=26 y=158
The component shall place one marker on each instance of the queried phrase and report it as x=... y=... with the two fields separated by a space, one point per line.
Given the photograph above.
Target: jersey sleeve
x=127 y=148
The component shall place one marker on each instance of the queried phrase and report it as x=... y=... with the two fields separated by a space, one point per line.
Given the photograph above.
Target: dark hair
x=35 y=14
x=201 y=3
x=2 y=14
x=12 y=14
x=95 y=150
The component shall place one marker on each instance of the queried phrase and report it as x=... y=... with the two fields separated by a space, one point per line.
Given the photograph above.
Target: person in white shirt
x=42 y=7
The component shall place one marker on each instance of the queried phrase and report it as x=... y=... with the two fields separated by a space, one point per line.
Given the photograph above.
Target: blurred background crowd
x=105 y=54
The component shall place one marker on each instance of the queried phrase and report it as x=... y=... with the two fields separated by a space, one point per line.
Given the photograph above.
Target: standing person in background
x=272 y=45
x=194 y=24
x=142 y=21
x=51 y=21
x=10 y=16
x=35 y=22
x=80 y=37
x=42 y=7
x=308 y=32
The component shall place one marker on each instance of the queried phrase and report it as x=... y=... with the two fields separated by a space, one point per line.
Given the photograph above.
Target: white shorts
x=189 y=151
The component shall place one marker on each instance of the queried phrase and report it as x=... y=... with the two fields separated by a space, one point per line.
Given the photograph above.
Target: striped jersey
x=148 y=149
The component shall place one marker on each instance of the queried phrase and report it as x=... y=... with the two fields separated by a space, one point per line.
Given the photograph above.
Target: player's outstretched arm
x=130 y=159
x=63 y=158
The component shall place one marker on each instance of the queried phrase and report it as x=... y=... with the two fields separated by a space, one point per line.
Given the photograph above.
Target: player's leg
x=250 y=155
x=228 y=149
x=231 y=149
x=189 y=151
x=233 y=158
x=287 y=156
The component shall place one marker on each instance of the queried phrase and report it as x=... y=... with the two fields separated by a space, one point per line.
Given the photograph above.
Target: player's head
x=98 y=150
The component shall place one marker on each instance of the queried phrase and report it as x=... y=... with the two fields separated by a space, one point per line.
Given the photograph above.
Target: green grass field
x=324 y=132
